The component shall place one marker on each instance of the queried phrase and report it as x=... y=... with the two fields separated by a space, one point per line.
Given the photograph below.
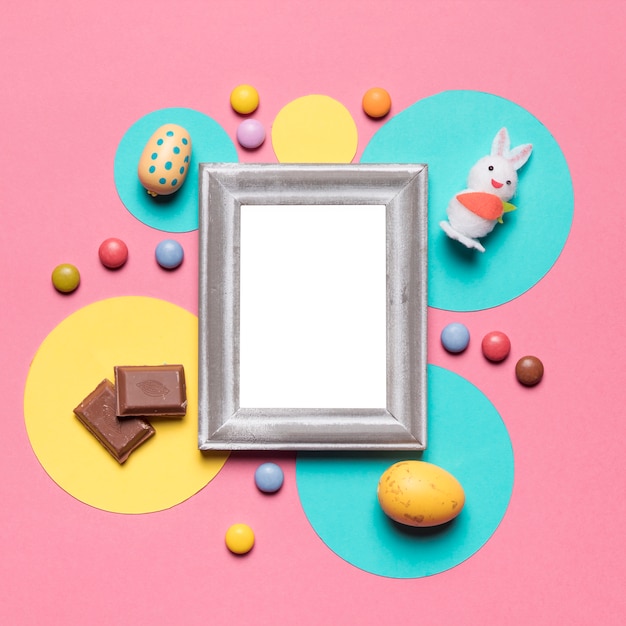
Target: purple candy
x=250 y=134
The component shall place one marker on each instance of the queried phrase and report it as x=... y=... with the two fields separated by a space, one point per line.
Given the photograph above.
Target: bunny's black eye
x=508 y=182
x=491 y=168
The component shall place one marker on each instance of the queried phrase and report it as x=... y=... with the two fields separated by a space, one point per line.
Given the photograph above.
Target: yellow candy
x=239 y=538
x=244 y=99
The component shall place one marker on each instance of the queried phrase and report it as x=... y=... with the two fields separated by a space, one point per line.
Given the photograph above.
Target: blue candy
x=169 y=254
x=455 y=337
x=269 y=477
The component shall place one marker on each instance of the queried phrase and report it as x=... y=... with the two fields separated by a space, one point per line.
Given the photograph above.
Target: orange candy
x=376 y=102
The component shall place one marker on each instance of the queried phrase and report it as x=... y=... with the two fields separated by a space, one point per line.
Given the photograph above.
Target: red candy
x=113 y=253
x=496 y=346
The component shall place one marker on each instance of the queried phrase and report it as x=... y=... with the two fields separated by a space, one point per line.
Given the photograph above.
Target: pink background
x=75 y=75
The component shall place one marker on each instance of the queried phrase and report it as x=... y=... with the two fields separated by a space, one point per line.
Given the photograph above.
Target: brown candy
x=529 y=370
x=150 y=391
x=119 y=437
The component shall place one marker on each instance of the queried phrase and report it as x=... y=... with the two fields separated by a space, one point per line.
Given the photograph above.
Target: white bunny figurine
x=491 y=183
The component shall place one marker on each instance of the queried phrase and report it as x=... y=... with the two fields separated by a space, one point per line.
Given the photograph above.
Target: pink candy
x=250 y=134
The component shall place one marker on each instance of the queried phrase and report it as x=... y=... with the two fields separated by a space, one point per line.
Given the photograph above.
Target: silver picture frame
x=402 y=423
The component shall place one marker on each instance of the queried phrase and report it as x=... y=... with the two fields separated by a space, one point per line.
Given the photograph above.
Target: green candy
x=65 y=278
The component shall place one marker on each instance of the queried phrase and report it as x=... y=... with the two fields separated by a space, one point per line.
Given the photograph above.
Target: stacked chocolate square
x=117 y=414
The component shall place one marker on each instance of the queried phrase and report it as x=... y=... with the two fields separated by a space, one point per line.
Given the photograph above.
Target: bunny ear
x=501 y=143
x=519 y=155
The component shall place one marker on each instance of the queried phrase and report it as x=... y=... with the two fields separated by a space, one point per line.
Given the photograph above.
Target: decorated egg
x=417 y=493
x=165 y=160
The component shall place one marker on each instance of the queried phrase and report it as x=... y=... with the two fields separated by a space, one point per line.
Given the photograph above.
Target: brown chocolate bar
x=119 y=437
x=150 y=391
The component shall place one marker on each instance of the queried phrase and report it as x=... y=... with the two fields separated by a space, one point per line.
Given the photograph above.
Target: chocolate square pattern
x=119 y=437
x=150 y=391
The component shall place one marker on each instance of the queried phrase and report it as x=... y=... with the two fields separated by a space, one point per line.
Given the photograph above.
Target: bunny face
x=494 y=174
x=497 y=173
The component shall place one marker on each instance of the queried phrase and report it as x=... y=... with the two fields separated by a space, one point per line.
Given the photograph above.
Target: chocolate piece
x=150 y=390
x=119 y=437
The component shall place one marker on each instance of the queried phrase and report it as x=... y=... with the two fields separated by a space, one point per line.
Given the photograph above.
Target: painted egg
x=417 y=493
x=165 y=160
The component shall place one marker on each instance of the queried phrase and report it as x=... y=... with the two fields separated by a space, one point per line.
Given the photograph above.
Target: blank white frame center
x=314 y=275
x=277 y=258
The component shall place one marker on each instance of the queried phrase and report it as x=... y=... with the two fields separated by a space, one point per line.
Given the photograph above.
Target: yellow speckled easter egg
x=165 y=160
x=417 y=493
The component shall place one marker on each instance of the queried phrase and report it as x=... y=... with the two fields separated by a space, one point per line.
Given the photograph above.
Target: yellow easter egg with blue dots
x=165 y=160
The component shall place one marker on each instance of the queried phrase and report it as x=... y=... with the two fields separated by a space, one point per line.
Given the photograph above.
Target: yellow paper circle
x=314 y=129
x=80 y=352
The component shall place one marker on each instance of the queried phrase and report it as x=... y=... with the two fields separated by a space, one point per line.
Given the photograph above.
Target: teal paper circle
x=178 y=212
x=466 y=436
x=450 y=132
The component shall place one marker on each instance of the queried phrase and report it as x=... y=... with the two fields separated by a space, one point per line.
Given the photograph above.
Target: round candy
x=529 y=370
x=113 y=253
x=244 y=99
x=496 y=346
x=269 y=477
x=376 y=102
x=65 y=277
x=169 y=254
x=251 y=134
x=239 y=538
x=455 y=337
